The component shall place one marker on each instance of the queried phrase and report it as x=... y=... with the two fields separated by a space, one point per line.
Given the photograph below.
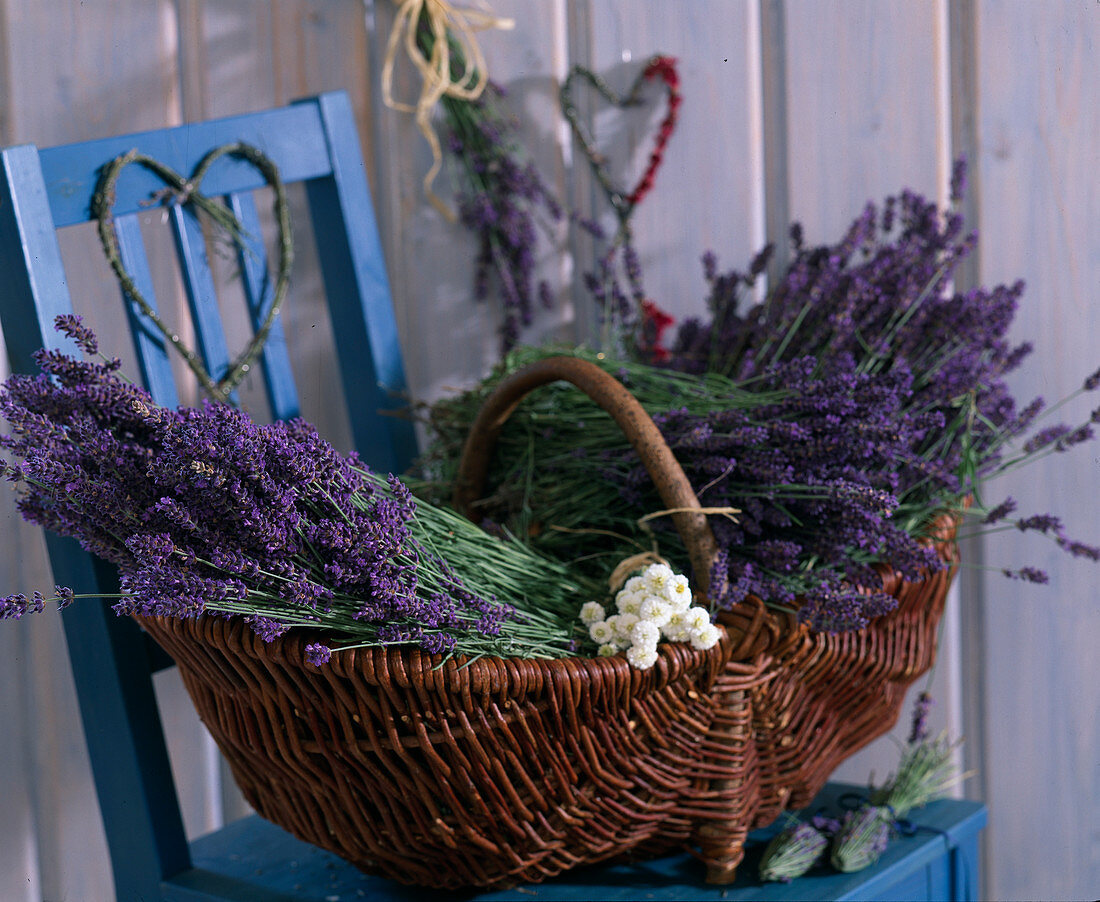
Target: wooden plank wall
x=793 y=109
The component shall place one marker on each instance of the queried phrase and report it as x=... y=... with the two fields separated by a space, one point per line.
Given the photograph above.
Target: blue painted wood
x=920 y=867
x=202 y=295
x=259 y=293
x=152 y=350
x=290 y=136
x=114 y=684
x=358 y=290
x=42 y=191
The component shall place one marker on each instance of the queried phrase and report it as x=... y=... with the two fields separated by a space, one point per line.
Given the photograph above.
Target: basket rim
x=407 y=665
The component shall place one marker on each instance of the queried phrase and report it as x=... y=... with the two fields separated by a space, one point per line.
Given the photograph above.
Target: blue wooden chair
x=41 y=191
x=314 y=142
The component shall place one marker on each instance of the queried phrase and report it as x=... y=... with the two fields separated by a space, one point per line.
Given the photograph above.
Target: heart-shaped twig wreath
x=604 y=284
x=659 y=67
x=181 y=190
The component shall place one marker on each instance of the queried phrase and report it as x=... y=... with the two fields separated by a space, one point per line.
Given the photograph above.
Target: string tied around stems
x=447 y=23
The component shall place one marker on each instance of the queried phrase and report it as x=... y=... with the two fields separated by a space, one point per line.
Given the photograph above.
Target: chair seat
x=252 y=860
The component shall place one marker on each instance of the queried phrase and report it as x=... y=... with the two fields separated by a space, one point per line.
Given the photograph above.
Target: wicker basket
x=792 y=703
x=491 y=773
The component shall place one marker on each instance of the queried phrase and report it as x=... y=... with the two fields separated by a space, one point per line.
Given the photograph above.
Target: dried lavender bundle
x=789 y=451
x=925 y=773
x=863 y=837
x=205 y=511
x=792 y=852
x=500 y=195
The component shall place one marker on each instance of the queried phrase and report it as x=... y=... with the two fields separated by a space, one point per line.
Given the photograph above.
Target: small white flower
x=629 y=602
x=642 y=656
x=624 y=623
x=705 y=638
x=657 y=576
x=591 y=611
x=678 y=592
x=645 y=632
x=656 y=610
x=696 y=618
x=675 y=630
x=608 y=649
x=634 y=584
x=601 y=631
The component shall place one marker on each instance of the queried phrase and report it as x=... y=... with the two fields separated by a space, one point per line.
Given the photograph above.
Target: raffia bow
x=447 y=24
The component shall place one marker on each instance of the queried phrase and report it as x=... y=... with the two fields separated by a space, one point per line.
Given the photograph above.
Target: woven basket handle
x=610 y=394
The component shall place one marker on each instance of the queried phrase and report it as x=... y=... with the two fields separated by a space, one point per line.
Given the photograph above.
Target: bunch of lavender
x=204 y=511
x=881 y=297
x=796 y=849
x=864 y=835
x=500 y=196
x=781 y=449
x=925 y=773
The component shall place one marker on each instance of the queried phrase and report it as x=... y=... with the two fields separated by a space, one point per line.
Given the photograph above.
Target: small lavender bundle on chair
x=205 y=511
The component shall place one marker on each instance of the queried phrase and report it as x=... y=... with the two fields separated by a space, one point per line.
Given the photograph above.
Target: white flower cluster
x=652 y=606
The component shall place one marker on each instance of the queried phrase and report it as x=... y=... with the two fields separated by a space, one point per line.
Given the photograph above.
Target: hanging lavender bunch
x=205 y=511
x=500 y=197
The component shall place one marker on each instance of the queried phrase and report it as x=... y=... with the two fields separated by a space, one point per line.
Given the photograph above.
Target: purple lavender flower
x=13 y=606
x=1028 y=574
x=267 y=629
x=317 y=654
x=1043 y=523
x=1001 y=511
x=73 y=326
x=921 y=710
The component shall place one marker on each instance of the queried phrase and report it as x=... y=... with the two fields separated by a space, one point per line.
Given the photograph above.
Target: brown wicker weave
x=792 y=703
x=501 y=772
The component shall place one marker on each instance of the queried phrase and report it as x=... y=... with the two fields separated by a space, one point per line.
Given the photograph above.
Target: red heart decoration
x=662 y=68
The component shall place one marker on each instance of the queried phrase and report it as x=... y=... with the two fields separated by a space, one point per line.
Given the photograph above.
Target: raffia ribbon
x=635 y=562
x=728 y=512
x=446 y=22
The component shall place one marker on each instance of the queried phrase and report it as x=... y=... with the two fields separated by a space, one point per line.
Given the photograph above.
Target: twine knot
x=447 y=23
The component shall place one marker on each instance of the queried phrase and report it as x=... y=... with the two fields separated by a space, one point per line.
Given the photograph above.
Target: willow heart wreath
x=185 y=190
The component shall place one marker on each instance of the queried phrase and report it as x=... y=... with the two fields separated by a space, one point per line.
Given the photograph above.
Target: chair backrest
x=41 y=191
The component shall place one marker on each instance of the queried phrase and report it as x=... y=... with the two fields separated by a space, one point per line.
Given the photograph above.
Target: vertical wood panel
x=1039 y=127
x=258 y=55
x=77 y=71
x=707 y=192
x=862 y=103
x=449 y=339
